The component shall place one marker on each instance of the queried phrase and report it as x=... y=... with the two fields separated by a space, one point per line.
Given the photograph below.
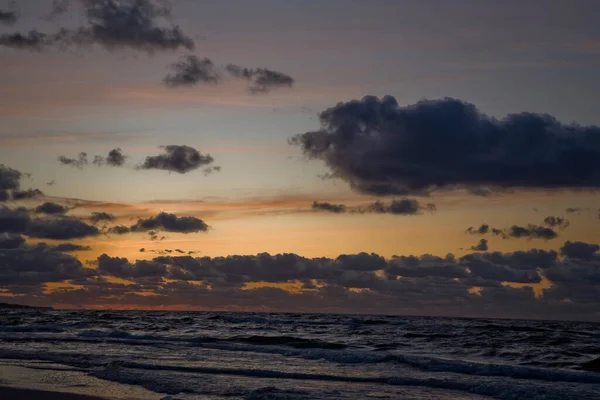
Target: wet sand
x=8 y=393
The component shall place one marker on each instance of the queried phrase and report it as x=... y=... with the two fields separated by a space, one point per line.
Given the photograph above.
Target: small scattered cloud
x=324 y=206
x=101 y=216
x=481 y=230
x=115 y=158
x=176 y=158
x=119 y=230
x=260 y=80
x=8 y=17
x=70 y=247
x=50 y=208
x=532 y=232
x=170 y=223
x=78 y=162
x=400 y=207
x=481 y=246
x=191 y=70
x=27 y=194
x=556 y=222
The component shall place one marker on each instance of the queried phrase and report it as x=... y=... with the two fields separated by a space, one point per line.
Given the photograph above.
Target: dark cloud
x=131 y=24
x=260 y=80
x=499 y=232
x=8 y=17
x=112 y=24
x=556 y=222
x=481 y=246
x=119 y=230
x=14 y=220
x=400 y=207
x=101 y=216
x=573 y=209
x=170 y=223
x=11 y=240
x=482 y=230
x=32 y=41
x=51 y=208
x=27 y=194
x=531 y=232
x=121 y=268
x=10 y=179
x=51 y=183
x=60 y=229
x=70 y=247
x=32 y=266
x=334 y=208
x=405 y=284
x=78 y=162
x=579 y=250
x=379 y=147
x=115 y=158
x=191 y=70
x=180 y=159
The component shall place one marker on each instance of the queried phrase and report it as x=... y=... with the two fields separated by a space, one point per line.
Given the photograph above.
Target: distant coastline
x=21 y=306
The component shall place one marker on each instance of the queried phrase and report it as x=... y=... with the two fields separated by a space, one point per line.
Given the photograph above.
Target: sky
x=383 y=157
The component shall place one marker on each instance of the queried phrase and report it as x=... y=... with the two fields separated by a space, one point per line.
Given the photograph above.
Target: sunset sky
x=313 y=131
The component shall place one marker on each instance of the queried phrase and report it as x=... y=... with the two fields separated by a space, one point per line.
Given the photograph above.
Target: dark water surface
x=302 y=356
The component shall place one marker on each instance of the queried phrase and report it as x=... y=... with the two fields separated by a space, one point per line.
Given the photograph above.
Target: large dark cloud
x=51 y=208
x=324 y=206
x=180 y=159
x=191 y=70
x=260 y=80
x=170 y=223
x=112 y=24
x=379 y=148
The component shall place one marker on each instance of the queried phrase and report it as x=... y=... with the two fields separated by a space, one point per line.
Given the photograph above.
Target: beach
x=10 y=393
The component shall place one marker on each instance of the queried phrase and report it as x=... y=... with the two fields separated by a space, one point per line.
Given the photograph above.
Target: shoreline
x=16 y=393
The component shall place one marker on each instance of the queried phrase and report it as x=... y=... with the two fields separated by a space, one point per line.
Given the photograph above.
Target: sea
x=220 y=355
